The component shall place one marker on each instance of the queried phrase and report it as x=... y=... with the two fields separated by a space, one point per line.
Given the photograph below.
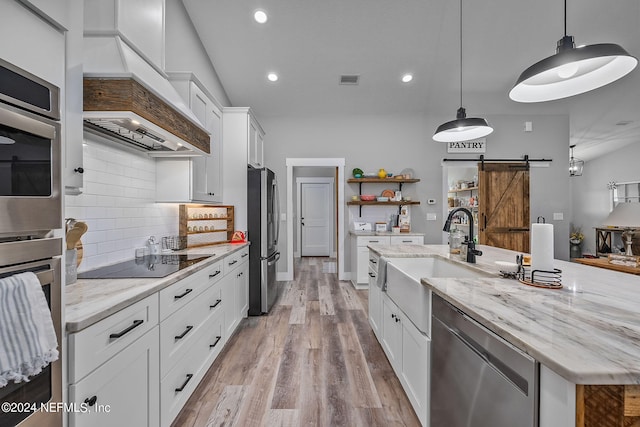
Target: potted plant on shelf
x=576 y=237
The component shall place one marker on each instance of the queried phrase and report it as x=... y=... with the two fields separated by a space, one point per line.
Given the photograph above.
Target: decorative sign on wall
x=472 y=146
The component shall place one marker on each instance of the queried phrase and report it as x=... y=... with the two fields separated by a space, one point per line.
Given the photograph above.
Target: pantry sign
x=472 y=146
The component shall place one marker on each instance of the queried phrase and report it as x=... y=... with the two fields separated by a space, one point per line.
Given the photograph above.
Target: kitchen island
x=586 y=335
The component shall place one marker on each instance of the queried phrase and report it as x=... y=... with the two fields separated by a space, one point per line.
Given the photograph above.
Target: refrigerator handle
x=276 y=201
x=276 y=258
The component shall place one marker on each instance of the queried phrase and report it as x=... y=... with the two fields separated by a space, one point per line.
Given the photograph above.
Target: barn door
x=504 y=206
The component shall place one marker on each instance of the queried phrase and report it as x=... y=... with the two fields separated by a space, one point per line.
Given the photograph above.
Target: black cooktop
x=148 y=266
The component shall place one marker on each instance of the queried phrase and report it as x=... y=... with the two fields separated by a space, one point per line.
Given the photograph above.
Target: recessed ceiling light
x=407 y=78
x=272 y=77
x=260 y=16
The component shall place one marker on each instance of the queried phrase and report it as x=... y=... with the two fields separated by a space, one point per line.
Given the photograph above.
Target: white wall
x=396 y=142
x=591 y=194
x=118 y=204
x=184 y=50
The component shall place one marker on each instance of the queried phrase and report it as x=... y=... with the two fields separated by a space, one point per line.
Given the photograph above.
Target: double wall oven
x=30 y=211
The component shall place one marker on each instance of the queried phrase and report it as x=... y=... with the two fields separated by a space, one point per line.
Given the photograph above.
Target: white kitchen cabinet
x=375 y=296
x=242 y=290
x=255 y=143
x=194 y=179
x=408 y=351
x=235 y=289
x=360 y=253
x=119 y=353
x=122 y=391
x=392 y=333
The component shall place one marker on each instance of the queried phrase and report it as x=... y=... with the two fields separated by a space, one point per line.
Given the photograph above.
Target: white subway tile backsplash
x=118 y=204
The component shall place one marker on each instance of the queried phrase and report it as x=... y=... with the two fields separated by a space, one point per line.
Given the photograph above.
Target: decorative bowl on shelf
x=367 y=197
x=357 y=175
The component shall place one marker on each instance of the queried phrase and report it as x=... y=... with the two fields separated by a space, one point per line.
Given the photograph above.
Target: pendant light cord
x=565 y=18
x=461 y=52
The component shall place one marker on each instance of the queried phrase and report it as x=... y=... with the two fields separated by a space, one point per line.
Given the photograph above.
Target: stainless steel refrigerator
x=263 y=228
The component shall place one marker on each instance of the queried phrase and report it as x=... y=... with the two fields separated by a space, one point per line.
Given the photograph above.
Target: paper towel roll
x=542 y=247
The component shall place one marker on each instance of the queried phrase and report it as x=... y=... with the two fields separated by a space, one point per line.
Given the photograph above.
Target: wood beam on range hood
x=106 y=94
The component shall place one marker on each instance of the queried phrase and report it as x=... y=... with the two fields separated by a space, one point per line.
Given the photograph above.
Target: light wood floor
x=313 y=361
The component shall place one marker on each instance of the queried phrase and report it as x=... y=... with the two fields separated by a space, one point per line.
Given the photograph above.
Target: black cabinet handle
x=212 y=194
x=79 y=170
x=372 y=275
x=407 y=241
x=218 y=301
x=184 y=384
x=374 y=241
x=211 y=276
x=186 y=331
x=397 y=319
x=215 y=343
x=372 y=261
x=186 y=292
x=393 y=316
x=234 y=261
x=244 y=255
x=91 y=400
x=135 y=324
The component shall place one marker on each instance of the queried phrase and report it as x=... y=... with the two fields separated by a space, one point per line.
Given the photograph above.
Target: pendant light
x=572 y=70
x=575 y=165
x=462 y=128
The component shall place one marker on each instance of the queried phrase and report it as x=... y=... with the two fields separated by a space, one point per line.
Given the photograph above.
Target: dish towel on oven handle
x=28 y=339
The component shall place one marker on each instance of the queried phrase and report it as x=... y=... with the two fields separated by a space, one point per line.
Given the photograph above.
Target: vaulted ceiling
x=310 y=43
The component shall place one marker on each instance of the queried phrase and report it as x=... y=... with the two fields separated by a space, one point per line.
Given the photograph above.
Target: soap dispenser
x=154 y=247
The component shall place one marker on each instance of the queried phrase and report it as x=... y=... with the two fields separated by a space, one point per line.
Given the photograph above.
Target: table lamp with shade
x=626 y=216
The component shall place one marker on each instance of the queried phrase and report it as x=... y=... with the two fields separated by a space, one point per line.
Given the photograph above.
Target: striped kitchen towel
x=28 y=340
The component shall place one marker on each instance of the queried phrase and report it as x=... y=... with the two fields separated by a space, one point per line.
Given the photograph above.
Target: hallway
x=313 y=360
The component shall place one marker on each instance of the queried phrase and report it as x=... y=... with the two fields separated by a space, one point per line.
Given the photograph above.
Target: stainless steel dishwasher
x=477 y=378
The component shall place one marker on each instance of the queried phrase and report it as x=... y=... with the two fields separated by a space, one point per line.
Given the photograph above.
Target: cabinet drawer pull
x=407 y=241
x=233 y=262
x=211 y=276
x=186 y=292
x=218 y=338
x=184 y=384
x=374 y=241
x=372 y=261
x=91 y=400
x=244 y=255
x=372 y=275
x=393 y=316
x=218 y=301
x=135 y=324
x=186 y=331
x=397 y=319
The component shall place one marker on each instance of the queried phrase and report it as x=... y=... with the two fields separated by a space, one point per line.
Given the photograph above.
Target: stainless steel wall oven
x=30 y=152
x=30 y=210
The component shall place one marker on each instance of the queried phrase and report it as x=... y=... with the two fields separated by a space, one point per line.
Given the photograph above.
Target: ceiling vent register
x=349 y=79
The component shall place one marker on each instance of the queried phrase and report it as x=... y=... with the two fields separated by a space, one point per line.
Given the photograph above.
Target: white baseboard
x=284 y=276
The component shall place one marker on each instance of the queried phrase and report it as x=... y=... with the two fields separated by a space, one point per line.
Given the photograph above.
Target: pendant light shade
x=572 y=70
x=462 y=128
x=575 y=165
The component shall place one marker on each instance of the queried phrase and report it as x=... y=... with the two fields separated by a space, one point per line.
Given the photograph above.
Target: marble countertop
x=90 y=300
x=588 y=331
x=383 y=233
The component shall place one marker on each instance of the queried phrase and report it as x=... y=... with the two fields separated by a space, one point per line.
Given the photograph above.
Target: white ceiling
x=310 y=43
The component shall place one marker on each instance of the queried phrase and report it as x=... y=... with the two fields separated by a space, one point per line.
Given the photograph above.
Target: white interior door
x=316 y=203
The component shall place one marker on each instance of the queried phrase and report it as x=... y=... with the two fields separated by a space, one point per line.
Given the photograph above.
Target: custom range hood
x=128 y=101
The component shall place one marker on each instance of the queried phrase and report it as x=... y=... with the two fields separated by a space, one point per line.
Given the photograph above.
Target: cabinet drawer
x=407 y=240
x=373 y=240
x=182 y=292
x=92 y=346
x=179 y=332
x=232 y=261
x=373 y=262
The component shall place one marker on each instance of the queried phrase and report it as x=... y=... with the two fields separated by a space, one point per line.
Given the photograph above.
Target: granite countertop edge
x=90 y=300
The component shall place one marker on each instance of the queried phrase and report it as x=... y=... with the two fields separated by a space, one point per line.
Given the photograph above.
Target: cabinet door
x=415 y=367
x=242 y=290
x=363 y=264
x=229 y=303
x=375 y=303
x=214 y=160
x=259 y=148
x=124 y=391
x=391 y=333
x=251 y=144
